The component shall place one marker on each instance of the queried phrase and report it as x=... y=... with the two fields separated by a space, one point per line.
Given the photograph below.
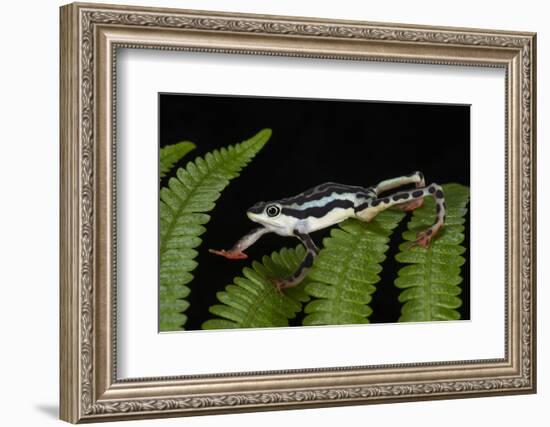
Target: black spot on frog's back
x=400 y=196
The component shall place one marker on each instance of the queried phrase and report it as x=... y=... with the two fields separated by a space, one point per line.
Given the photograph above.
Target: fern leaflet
x=252 y=301
x=182 y=217
x=345 y=272
x=170 y=154
x=431 y=283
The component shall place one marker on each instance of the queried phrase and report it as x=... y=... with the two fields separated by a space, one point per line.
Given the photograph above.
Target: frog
x=329 y=204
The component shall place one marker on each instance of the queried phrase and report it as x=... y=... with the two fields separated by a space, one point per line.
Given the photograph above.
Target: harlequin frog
x=328 y=204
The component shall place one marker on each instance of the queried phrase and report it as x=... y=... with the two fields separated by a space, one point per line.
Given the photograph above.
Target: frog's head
x=269 y=214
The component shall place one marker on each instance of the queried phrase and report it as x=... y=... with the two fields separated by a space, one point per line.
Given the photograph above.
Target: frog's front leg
x=237 y=251
x=301 y=272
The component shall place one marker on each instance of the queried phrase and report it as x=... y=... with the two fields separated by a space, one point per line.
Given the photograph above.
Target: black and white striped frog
x=328 y=204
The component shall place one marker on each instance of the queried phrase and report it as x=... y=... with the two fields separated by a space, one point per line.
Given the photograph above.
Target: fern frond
x=182 y=217
x=345 y=272
x=431 y=283
x=252 y=301
x=170 y=154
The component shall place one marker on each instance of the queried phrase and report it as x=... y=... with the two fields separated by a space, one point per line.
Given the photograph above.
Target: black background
x=313 y=141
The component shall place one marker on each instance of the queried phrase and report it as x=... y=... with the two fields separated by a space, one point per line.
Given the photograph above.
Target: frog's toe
x=279 y=284
x=229 y=254
x=422 y=240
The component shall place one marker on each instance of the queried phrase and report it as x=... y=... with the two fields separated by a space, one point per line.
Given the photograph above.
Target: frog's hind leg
x=370 y=209
x=416 y=178
x=303 y=269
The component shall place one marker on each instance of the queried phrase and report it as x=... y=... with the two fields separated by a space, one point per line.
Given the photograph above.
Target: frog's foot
x=412 y=205
x=279 y=284
x=229 y=254
x=424 y=238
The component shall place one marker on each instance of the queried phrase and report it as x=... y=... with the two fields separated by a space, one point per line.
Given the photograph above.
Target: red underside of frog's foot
x=424 y=238
x=229 y=254
x=411 y=206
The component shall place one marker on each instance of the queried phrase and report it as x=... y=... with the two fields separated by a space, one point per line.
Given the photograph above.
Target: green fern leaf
x=431 y=284
x=170 y=154
x=345 y=272
x=252 y=301
x=182 y=217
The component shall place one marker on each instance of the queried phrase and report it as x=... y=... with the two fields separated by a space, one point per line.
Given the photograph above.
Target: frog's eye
x=272 y=210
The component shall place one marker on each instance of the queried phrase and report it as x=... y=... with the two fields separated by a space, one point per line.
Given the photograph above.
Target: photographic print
x=286 y=212
x=225 y=184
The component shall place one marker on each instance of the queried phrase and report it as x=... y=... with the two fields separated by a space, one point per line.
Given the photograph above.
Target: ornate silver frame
x=90 y=35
